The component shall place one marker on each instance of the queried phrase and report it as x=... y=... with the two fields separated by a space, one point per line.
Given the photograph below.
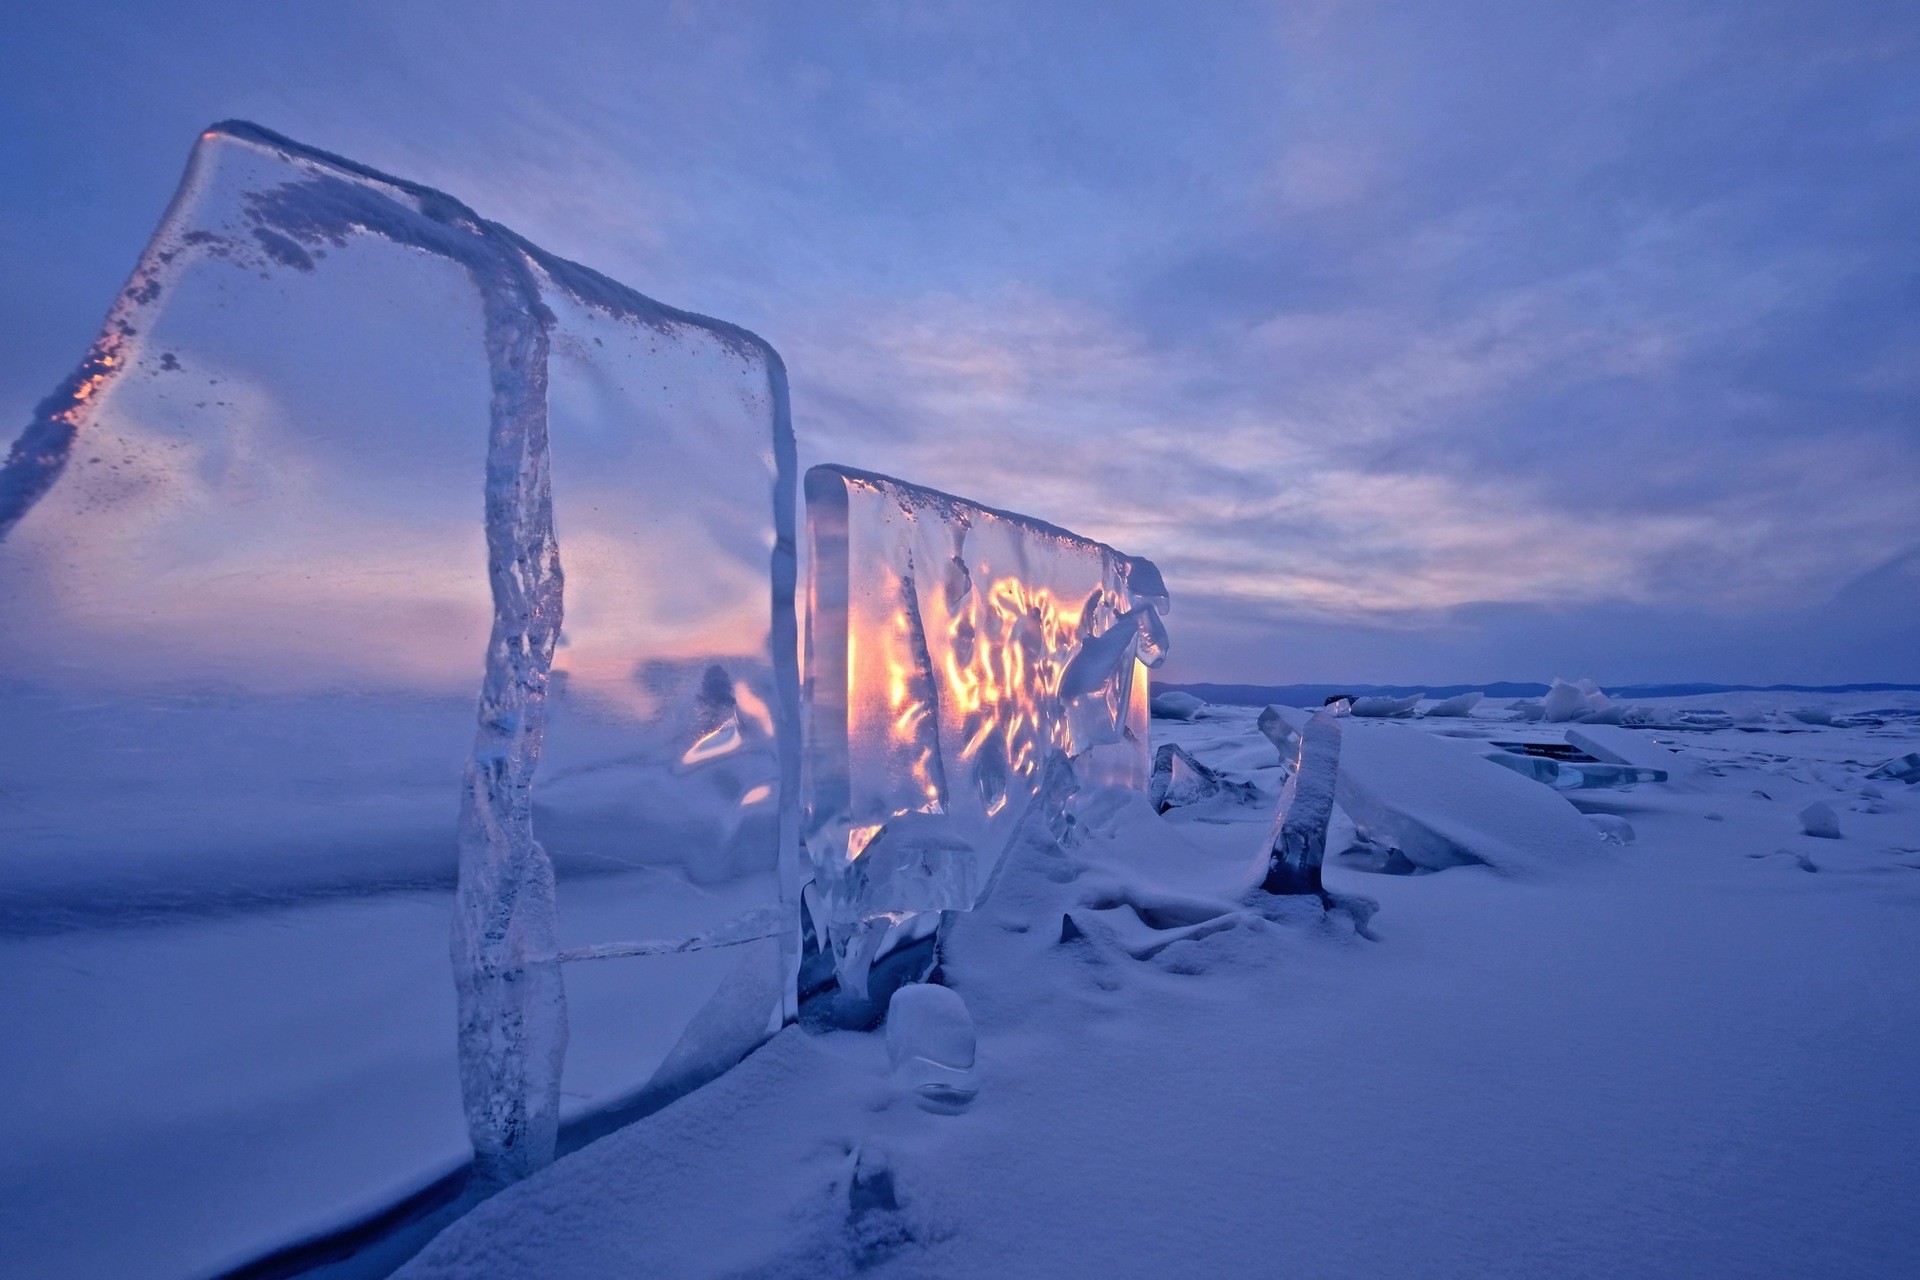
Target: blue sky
x=1437 y=342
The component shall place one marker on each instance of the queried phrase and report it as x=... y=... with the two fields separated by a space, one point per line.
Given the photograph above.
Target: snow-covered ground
x=186 y=1094
x=1694 y=1054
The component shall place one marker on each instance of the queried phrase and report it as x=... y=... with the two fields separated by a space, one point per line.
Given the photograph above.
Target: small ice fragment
x=1461 y=704
x=1812 y=715
x=1819 y=819
x=1386 y=708
x=1174 y=705
x=1612 y=828
x=1715 y=817
x=1179 y=779
x=932 y=1046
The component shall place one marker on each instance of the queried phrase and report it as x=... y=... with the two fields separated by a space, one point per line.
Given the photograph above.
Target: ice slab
x=1819 y=819
x=344 y=455
x=1574 y=775
x=1174 y=705
x=1904 y=768
x=1385 y=708
x=1441 y=805
x=961 y=662
x=1179 y=780
x=1461 y=704
x=1634 y=747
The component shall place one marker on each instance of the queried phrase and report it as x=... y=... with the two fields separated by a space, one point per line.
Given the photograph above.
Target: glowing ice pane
x=261 y=551
x=955 y=655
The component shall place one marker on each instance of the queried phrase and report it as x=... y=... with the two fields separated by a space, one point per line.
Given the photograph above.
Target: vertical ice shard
x=318 y=475
x=957 y=656
x=1298 y=841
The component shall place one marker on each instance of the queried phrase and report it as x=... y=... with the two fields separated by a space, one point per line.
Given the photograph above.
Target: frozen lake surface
x=1691 y=1054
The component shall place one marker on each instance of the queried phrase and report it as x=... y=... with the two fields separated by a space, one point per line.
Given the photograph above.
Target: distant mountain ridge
x=1313 y=695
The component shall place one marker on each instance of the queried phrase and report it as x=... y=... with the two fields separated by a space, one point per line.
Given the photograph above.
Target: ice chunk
x=1174 y=705
x=956 y=653
x=1460 y=704
x=1904 y=768
x=1618 y=745
x=1612 y=827
x=300 y=501
x=1298 y=839
x=1573 y=775
x=1385 y=708
x=1819 y=819
x=1441 y=805
x=1566 y=701
x=1179 y=779
x=931 y=1046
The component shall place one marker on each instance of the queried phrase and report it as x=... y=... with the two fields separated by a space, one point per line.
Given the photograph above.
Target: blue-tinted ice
x=343 y=454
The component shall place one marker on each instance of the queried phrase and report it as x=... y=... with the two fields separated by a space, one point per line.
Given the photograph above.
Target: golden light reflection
x=967 y=681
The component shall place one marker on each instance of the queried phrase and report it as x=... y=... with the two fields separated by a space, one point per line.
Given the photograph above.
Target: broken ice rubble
x=344 y=453
x=1439 y=804
x=959 y=660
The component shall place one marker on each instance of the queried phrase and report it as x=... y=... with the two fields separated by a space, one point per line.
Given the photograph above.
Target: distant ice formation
x=1174 y=705
x=966 y=668
x=343 y=454
x=1383 y=708
x=1461 y=704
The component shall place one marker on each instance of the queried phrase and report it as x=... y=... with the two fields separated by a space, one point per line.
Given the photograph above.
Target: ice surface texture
x=961 y=660
x=303 y=482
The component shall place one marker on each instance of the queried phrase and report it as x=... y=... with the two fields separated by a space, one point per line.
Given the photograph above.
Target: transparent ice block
x=299 y=504
x=957 y=655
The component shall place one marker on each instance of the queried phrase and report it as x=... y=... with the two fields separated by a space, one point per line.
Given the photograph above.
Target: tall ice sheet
x=344 y=454
x=958 y=658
